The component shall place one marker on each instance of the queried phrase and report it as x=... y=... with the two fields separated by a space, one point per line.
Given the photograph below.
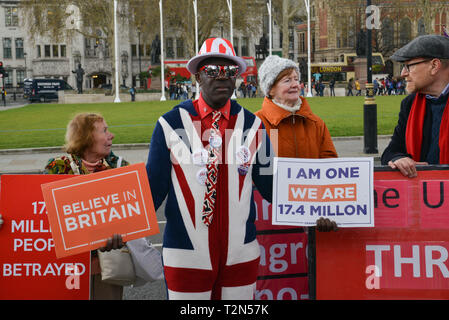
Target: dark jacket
x=397 y=149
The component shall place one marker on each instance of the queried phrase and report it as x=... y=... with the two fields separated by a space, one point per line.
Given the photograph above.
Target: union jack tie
x=212 y=171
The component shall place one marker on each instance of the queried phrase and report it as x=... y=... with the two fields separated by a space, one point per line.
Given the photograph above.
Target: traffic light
x=3 y=72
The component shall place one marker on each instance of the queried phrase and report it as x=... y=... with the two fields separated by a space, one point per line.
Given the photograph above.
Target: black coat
x=397 y=149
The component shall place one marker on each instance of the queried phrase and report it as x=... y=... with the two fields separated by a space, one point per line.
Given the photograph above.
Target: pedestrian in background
x=390 y=87
x=380 y=91
x=249 y=89
x=321 y=87
x=253 y=90
x=332 y=87
x=358 y=88
x=132 y=92
x=350 y=87
x=376 y=86
x=242 y=89
x=193 y=91
x=301 y=88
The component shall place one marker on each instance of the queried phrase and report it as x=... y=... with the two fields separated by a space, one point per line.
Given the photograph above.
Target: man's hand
x=326 y=225
x=407 y=166
x=115 y=242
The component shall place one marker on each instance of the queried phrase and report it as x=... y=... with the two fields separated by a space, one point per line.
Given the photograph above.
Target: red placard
x=283 y=265
x=84 y=211
x=282 y=254
x=29 y=268
x=404 y=257
x=293 y=288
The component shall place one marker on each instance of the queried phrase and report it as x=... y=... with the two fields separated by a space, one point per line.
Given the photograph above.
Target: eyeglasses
x=407 y=66
x=213 y=71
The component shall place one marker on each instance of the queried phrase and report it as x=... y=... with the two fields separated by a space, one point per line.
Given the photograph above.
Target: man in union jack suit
x=204 y=157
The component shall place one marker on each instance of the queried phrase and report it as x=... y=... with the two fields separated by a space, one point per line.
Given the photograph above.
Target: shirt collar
x=205 y=110
x=443 y=93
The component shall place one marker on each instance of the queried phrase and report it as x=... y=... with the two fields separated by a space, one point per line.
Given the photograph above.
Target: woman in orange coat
x=300 y=133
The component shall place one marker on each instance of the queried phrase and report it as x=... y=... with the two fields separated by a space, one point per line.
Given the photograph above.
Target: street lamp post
x=117 y=85
x=195 y=11
x=162 y=54
x=370 y=106
x=231 y=35
x=140 y=59
x=270 y=49
x=230 y=20
x=309 y=75
x=25 y=57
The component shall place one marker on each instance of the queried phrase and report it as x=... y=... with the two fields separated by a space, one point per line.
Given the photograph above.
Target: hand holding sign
x=326 y=225
x=115 y=242
x=407 y=166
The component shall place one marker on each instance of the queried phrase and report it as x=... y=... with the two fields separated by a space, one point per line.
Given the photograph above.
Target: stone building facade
x=335 y=26
x=334 y=29
x=26 y=56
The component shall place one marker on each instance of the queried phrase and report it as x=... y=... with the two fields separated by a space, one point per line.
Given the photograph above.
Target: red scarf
x=413 y=133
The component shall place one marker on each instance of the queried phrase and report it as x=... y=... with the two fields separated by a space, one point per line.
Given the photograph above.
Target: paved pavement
x=11 y=104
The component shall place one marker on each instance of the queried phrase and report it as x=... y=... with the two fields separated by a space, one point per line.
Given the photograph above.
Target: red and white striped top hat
x=216 y=48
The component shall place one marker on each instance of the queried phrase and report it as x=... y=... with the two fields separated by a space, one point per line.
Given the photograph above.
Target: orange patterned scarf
x=94 y=167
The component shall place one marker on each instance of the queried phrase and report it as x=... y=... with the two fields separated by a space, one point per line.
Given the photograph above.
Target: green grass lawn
x=43 y=125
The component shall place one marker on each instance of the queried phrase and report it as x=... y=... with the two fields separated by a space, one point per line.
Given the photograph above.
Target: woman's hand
x=115 y=242
x=326 y=225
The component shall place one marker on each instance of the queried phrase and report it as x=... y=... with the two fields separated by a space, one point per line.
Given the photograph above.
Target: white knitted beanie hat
x=270 y=69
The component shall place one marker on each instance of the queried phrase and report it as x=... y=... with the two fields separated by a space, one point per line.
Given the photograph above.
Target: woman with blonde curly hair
x=88 y=146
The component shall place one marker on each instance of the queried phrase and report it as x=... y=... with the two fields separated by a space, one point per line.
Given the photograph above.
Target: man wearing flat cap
x=421 y=136
x=204 y=157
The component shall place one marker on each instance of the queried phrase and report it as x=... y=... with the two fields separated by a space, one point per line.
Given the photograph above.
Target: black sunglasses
x=213 y=71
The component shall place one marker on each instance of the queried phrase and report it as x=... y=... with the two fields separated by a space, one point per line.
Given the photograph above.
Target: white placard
x=340 y=189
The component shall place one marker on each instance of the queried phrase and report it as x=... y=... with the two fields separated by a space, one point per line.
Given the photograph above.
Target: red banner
x=283 y=263
x=404 y=257
x=28 y=265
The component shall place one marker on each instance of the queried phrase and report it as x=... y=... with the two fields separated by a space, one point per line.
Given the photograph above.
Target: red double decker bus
x=250 y=74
